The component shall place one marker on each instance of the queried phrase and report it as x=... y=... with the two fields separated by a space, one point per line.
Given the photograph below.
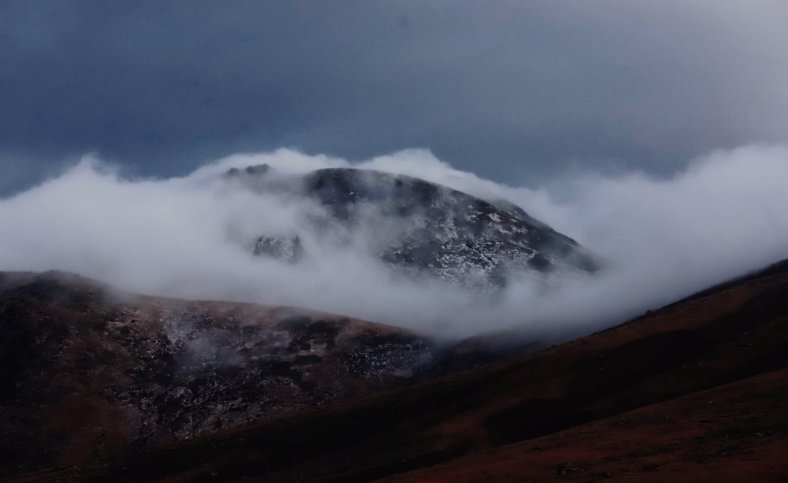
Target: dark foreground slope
x=87 y=372
x=695 y=391
x=733 y=432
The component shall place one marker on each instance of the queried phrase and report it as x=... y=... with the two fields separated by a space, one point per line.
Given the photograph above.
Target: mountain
x=422 y=229
x=87 y=371
x=694 y=391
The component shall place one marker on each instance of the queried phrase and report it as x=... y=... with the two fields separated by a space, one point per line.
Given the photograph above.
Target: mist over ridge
x=186 y=237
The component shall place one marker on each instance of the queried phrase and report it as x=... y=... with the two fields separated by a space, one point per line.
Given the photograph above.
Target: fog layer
x=189 y=237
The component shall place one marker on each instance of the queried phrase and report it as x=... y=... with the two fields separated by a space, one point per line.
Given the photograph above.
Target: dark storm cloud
x=510 y=89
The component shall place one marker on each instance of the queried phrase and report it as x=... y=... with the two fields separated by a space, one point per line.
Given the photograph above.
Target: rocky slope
x=422 y=229
x=87 y=372
x=695 y=391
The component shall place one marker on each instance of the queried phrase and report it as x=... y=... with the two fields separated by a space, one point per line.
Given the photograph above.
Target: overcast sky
x=516 y=91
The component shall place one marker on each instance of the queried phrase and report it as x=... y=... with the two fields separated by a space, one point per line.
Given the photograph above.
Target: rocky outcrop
x=419 y=228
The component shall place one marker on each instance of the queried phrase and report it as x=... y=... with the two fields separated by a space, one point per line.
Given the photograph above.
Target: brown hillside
x=732 y=341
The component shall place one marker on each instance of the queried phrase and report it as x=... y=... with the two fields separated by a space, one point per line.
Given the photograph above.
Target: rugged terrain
x=88 y=372
x=695 y=391
x=422 y=229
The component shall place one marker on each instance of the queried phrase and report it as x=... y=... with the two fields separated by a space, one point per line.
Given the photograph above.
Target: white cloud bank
x=184 y=237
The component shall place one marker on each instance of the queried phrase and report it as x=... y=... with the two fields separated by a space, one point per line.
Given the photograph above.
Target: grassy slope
x=661 y=361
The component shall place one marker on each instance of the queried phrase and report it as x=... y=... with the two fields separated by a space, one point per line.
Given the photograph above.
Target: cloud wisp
x=661 y=238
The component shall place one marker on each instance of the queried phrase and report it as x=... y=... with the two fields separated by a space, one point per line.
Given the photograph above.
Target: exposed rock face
x=86 y=372
x=287 y=249
x=422 y=228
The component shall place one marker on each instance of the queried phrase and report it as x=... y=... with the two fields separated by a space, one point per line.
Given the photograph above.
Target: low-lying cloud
x=189 y=237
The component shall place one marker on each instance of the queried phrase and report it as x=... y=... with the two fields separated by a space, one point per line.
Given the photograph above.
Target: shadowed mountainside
x=88 y=372
x=689 y=392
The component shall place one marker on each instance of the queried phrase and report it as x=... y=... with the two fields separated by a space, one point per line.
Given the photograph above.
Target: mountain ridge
x=89 y=371
x=733 y=337
x=418 y=227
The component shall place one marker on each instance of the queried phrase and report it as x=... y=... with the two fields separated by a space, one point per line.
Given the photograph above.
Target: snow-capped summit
x=420 y=228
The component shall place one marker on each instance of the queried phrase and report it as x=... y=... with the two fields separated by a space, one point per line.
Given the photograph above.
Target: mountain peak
x=420 y=228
